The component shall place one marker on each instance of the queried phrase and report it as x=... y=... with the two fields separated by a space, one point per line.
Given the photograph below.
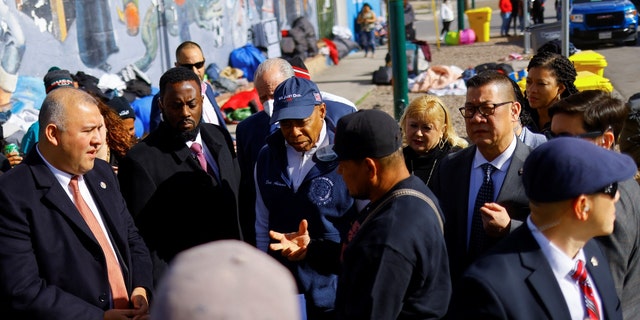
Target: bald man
x=70 y=249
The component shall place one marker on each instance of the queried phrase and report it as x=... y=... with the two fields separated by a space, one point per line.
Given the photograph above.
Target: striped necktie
x=580 y=275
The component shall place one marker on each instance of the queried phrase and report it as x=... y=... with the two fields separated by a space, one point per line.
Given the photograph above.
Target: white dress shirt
x=562 y=265
x=501 y=163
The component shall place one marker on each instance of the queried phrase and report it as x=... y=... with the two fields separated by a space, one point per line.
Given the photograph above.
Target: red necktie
x=580 y=275
x=116 y=280
x=197 y=149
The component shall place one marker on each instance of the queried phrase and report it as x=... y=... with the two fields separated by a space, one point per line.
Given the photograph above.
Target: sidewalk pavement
x=351 y=77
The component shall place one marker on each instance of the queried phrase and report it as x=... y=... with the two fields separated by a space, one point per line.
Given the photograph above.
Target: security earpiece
x=586 y=208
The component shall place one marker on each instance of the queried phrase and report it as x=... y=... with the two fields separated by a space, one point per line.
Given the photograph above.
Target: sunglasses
x=587 y=135
x=610 y=190
x=197 y=65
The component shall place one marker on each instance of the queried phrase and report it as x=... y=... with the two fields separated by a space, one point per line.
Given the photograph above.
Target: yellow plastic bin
x=589 y=60
x=586 y=80
x=479 y=19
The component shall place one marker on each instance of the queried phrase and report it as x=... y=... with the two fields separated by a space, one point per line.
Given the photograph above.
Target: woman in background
x=428 y=136
x=367 y=20
x=118 y=139
x=550 y=78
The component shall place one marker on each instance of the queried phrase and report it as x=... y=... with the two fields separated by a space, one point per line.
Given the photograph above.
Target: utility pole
x=398 y=49
x=461 y=8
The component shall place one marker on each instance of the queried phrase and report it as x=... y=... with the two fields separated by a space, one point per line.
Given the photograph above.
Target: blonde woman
x=428 y=136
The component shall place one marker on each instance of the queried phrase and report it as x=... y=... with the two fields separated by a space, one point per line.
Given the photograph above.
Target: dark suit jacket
x=175 y=204
x=622 y=248
x=154 y=118
x=250 y=138
x=51 y=265
x=451 y=186
x=514 y=281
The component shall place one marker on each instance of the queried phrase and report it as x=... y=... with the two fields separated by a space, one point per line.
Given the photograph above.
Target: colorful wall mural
x=102 y=37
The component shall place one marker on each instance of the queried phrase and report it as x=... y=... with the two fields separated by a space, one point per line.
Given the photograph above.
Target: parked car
x=603 y=21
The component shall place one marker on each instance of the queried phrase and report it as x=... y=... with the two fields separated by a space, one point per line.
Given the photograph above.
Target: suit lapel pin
x=103 y=185
x=594 y=261
x=520 y=171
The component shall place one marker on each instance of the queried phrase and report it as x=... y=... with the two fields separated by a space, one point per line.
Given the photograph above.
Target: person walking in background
x=181 y=182
x=409 y=18
x=505 y=14
x=516 y=15
x=367 y=20
x=70 y=249
x=550 y=267
x=447 y=16
x=428 y=135
x=537 y=11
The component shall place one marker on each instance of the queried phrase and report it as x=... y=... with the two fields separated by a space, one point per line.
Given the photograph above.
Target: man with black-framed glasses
x=189 y=55
x=597 y=117
x=479 y=188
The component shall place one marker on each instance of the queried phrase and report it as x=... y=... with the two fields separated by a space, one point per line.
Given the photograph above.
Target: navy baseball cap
x=295 y=98
x=366 y=134
x=565 y=168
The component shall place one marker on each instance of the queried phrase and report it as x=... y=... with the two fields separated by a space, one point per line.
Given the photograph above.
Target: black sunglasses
x=197 y=65
x=610 y=190
x=587 y=135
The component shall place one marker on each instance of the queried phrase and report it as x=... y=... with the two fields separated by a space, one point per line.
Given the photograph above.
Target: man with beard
x=181 y=182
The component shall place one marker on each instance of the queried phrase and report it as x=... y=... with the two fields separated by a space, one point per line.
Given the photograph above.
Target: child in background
x=446 y=14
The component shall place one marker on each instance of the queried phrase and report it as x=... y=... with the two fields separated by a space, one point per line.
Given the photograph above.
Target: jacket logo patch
x=320 y=191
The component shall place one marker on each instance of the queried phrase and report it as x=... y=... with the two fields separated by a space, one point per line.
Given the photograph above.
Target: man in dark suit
x=66 y=254
x=551 y=268
x=181 y=182
x=490 y=111
x=189 y=55
x=597 y=117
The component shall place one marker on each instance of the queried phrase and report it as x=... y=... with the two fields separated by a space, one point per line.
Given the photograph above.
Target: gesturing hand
x=294 y=244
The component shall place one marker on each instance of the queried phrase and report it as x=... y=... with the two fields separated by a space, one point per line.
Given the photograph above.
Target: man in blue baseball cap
x=293 y=185
x=550 y=266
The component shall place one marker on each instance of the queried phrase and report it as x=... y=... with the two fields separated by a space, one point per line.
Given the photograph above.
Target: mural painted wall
x=107 y=36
